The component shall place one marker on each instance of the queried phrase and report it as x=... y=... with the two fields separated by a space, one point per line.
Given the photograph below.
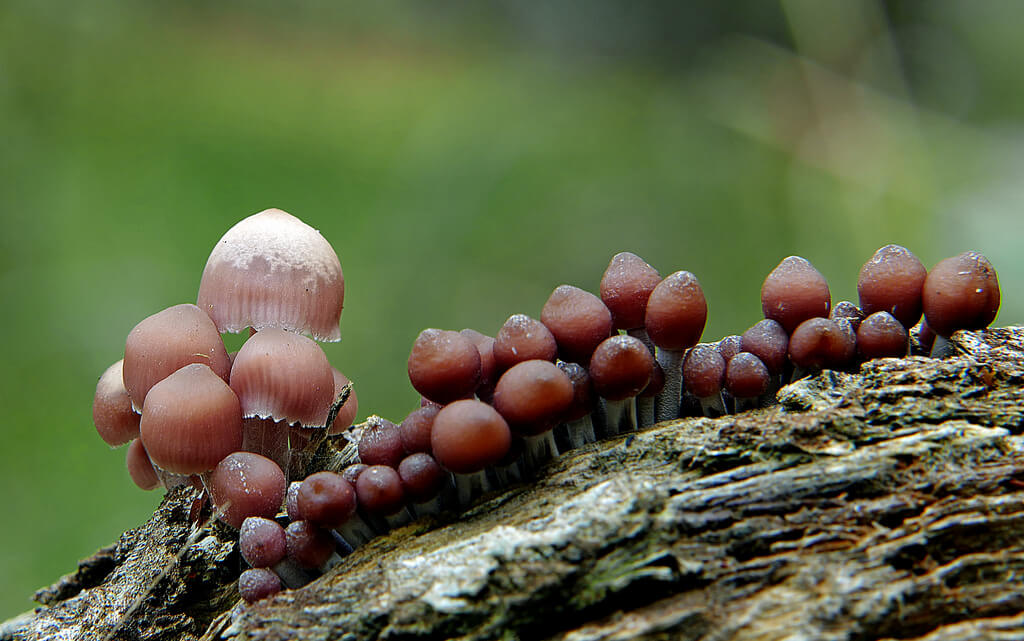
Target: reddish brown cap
x=347 y=414
x=444 y=365
x=730 y=346
x=422 y=477
x=746 y=376
x=167 y=341
x=327 y=499
x=522 y=338
x=621 y=367
x=309 y=545
x=112 y=413
x=415 y=429
x=273 y=270
x=961 y=292
x=284 y=376
x=379 y=489
x=891 y=281
x=583 y=396
x=578 y=320
x=245 y=484
x=676 y=312
x=190 y=421
x=261 y=542
x=532 y=397
x=657 y=383
x=140 y=468
x=769 y=342
x=881 y=335
x=704 y=370
x=351 y=472
x=468 y=436
x=488 y=368
x=845 y=310
x=256 y=584
x=818 y=343
x=381 y=443
x=625 y=287
x=793 y=292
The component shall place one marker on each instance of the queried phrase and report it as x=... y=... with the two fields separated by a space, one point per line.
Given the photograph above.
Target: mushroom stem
x=581 y=431
x=470 y=486
x=640 y=333
x=667 y=403
x=621 y=416
x=291 y=575
x=509 y=474
x=645 y=410
x=942 y=348
x=427 y=508
x=713 y=406
x=538 y=450
x=355 y=531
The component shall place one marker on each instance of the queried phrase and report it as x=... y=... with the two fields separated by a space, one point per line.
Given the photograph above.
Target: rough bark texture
x=887 y=504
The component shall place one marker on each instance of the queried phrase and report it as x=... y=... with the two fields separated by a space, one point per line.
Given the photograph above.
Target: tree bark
x=887 y=504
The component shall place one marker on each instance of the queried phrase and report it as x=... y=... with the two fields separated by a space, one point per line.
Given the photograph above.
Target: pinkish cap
x=112 y=413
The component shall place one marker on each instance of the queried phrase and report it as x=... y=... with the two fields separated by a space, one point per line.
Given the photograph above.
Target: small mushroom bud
x=626 y=285
x=112 y=413
x=768 y=341
x=352 y=472
x=328 y=499
x=881 y=336
x=578 y=320
x=815 y=345
x=845 y=310
x=676 y=314
x=444 y=366
x=262 y=543
x=381 y=443
x=415 y=428
x=532 y=398
x=522 y=338
x=140 y=468
x=310 y=546
x=961 y=292
x=729 y=347
x=256 y=584
x=380 y=494
x=747 y=379
x=245 y=484
x=579 y=425
x=793 y=292
x=621 y=368
x=488 y=368
x=704 y=375
x=891 y=281
x=422 y=481
x=291 y=501
x=467 y=437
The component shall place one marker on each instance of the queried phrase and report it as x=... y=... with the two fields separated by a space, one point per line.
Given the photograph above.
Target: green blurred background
x=464 y=159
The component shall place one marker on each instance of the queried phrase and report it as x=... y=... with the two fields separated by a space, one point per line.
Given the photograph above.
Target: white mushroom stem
x=509 y=474
x=355 y=531
x=645 y=410
x=581 y=431
x=942 y=348
x=291 y=575
x=713 y=405
x=667 y=403
x=428 y=507
x=470 y=486
x=621 y=416
x=538 y=450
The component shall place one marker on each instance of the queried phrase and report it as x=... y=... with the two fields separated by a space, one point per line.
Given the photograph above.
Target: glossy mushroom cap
x=245 y=484
x=379 y=490
x=488 y=368
x=657 y=383
x=468 y=436
x=112 y=413
x=327 y=499
x=676 y=312
x=522 y=338
x=256 y=584
x=891 y=281
x=704 y=371
x=261 y=542
x=444 y=366
x=309 y=546
x=190 y=421
x=961 y=292
x=416 y=427
x=845 y=310
x=273 y=270
x=578 y=320
x=284 y=376
x=881 y=336
x=769 y=342
x=167 y=341
x=347 y=414
x=422 y=477
x=793 y=292
x=381 y=443
x=140 y=468
x=621 y=367
x=818 y=343
x=730 y=346
x=583 y=397
x=626 y=285
x=746 y=376
x=532 y=397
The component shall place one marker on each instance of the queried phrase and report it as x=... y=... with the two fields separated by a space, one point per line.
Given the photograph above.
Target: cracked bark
x=887 y=504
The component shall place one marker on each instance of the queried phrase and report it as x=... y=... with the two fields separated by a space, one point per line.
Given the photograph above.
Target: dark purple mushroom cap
x=891 y=281
x=167 y=341
x=578 y=320
x=112 y=414
x=532 y=397
x=291 y=501
x=845 y=310
x=444 y=365
x=140 y=468
x=657 y=383
x=676 y=312
x=621 y=367
x=746 y=376
x=379 y=490
x=352 y=472
x=583 y=397
x=422 y=477
x=488 y=368
x=818 y=343
x=327 y=499
x=730 y=346
x=881 y=335
x=261 y=542
x=703 y=371
x=769 y=342
x=381 y=443
x=625 y=287
x=256 y=584
x=245 y=484
x=309 y=545
x=468 y=436
x=793 y=292
x=190 y=421
x=522 y=338
x=961 y=292
x=415 y=429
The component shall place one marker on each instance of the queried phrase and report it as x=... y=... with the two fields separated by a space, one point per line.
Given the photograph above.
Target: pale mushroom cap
x=273 y=270
x=112 y=412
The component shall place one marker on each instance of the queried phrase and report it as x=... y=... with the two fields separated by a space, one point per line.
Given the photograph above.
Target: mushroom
x=469 y=435
x=381 y=443
x=140 y=468
x=746 y=379
x=329 y=500
x=381 y=496
x=246 y=484
x=676 y=314
x=577 y=417
x=961 y=292
x=891 y=281
x=845 y=310
x=768 y=341
x=444 y=366
x=626 y=285
x=520 y=339
x=112 y=414
x=881 y=335
x=818 y=343
x=532 y=398
x=488 y=368
x=793 y=292
x=262 y=542
x=273 y=270
x=310 y=546
x=704 y=375
x=422 y=481
x=256 y=584
x=578 y=320
x=414 y=431
x=729 y=347
x=620 y=368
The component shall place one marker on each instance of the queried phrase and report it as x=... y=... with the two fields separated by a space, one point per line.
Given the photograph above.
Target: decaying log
x=887 y=504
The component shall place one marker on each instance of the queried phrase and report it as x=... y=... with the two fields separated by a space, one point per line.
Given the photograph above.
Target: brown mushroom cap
x=657 y=383
x=817 y=343
x=522 y=338
x=676 y=312
x=273 y=270
x=769 y=342
x=793 y=292
x=468 y=436
x=327 y=499
x=578 y=320
x=621 y=367
x=583 y=397
x=309 y=545
x=416 y=427
x=730 y=346
x=140 y=468
x=245 y=484
x=532 y=397
x=284 y=376
x=881 y=335
x=167 y=341
x=261 y=542
x=190 y=421
x=704 y=371
x=891 y=281
x=422 y=477
x=256 y=584
x=112 y=414
x=846 y=310
x=626 y=285
x=488 y=368
x=444 y=365
x=746 y=376
x=379 y=489
x=961 y=292
x=381 y=443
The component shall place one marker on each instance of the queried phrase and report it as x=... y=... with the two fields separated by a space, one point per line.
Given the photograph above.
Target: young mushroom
x=112 y=414
x=845 y=310
x=704 y=376
x=414 y=430
x=246 y=484
x=263 y=544
x=444 y=366
x=532 y=397
x=381 y=443
x=256 y=584
x=961 y=292
x=881 y=335
x=891 y=281
x=329 y=500
x=520 y=339
x=768 y=341
x=423 y=479
x=578 y=416
x=626 y=285
x=468 y=436
x=488 y=368
x=793 y=292
x=817 y=344
x=747 y=380
x=578 y=320
x=620 y=368
x=310 y=546
x=381 y=496
x=140 y=468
